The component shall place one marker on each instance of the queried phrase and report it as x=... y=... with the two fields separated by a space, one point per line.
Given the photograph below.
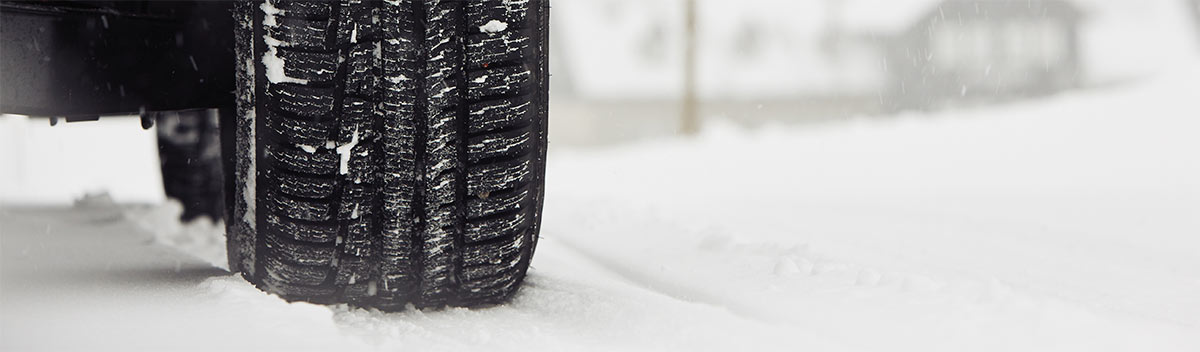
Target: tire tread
x=406 y=167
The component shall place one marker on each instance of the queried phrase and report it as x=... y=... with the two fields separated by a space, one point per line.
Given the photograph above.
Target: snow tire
x=190 y=158
x=390 y=152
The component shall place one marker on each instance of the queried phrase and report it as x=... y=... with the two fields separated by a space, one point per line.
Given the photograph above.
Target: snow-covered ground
x=1068 y=224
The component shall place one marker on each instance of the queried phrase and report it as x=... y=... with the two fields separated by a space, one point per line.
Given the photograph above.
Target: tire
x=390 y=153
x=190 y=160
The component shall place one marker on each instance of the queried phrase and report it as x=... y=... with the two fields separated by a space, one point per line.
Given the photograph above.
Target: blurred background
x=635 y=70
x=621 y=66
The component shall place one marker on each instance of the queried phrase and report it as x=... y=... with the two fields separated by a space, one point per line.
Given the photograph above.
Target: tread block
x=441 y=140
x=354 y=271
x=300 y=231
x=300 y=99
x=511 y=144
x=444 y=55
x=320 y=162
x=485 y=278
x=401 y=48
x=359 y=291
x=358 y=24
x=440 y=191
x=300 y=33
x=397 y=279
x=304 y=186
x=493 y=289
x=292 y=291
x=310 y=66
x=508 y=224
x=357 y=202
x=500 y=114
x=397 y=245
x=395 y=197
x=358 y=117
x=514 y=13
x=492 y=253
x=299 y=131
x=308 y=210
x=437 y=263
x=362 y=165
x=488 y=48
x=498 y=82
x=362 y=69
x=358 y=241
x=362 y=113
x=481 y=205
x=307 y=9
x=498 y=176
x=311 y=254
x=399 y=122
x=295 y=274
x=442 y=93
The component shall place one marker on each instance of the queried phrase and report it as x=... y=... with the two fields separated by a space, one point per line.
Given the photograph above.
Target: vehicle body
x=80 y=60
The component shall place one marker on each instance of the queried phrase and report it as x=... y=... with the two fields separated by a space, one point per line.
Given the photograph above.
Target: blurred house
x=961 y=51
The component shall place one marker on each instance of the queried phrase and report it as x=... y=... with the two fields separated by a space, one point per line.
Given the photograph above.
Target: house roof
x=883 y=17
x=895 y=16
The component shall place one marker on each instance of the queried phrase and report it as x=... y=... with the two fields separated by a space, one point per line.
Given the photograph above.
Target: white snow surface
x=1068 y=224
x=201 y=238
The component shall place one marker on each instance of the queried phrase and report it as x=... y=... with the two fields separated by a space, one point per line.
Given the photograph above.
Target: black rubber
x=190 y=159
x=398 y=156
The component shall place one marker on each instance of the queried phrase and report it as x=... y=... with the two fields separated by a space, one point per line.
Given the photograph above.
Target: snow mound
x=201 y=238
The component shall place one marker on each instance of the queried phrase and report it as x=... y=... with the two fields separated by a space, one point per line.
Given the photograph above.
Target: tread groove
x=460 y=190
x=419 y=144
x=331 y=36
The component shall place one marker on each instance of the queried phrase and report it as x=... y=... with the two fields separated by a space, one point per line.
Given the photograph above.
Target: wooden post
x=691 y=122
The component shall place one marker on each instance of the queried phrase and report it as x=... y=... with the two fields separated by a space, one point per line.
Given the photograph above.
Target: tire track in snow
x=670 y=289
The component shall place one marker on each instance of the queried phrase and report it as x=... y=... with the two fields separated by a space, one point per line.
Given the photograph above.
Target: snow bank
x=201 y=238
